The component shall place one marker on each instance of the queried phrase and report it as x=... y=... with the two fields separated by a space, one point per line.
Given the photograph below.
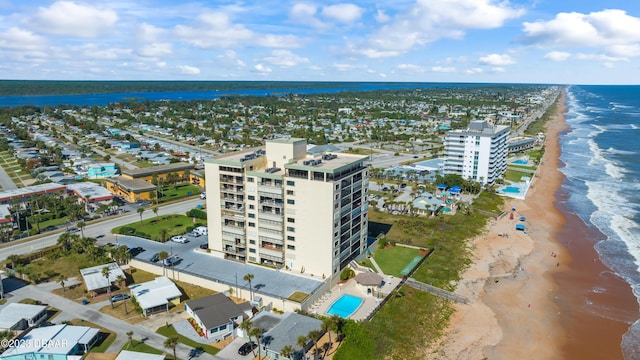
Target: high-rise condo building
x=278 y=206
x=478 y=153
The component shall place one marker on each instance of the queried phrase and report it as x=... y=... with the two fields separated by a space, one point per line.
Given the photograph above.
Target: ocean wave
x=613 y=150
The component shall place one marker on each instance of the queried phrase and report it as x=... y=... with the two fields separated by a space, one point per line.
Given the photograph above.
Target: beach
x=530 y=291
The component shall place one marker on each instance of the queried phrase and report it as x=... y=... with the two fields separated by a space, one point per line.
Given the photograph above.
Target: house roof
x=215 y=310
x=155 y=293
x=56 y=339
x=89 y=189
x=93 y=276
x=368 y=278
x=134 y=355
x=131 y=184
x=14 y=312
x=287 y=331
x=161 y=169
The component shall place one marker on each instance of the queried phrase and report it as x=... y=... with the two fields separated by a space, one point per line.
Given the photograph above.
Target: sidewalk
x=375 y=265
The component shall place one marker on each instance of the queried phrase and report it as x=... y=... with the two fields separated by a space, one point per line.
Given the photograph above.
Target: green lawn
x=393 y=259
x=151 y=227
x=139 y=346
x=170 y=331
x=173 y=192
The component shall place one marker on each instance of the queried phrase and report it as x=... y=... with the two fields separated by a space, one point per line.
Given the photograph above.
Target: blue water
x=345 y=306
x=520 y=162
x=511 y=190
x=105 y=99
x=602 y=171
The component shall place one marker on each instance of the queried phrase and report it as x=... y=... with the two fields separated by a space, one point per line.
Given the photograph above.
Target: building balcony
x=271 y=226
x=239 y=231
x=271 y=237
x=272 y=254
x=272 y=203
x=271 y=215
x=269 y=189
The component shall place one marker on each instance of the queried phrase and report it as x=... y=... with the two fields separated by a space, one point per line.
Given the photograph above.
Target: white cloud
x=428 y=21
x=600 y=57
x=18 y=39
x=557 y=56
x=474 y=71
x=95 y=52
x=604 y=28
x=443 y=69
x=156 y=50
x=303 y=13
x=262 y=69
x=497 y=69
x=230 y=59
x=382 y=17
x=214 y=30
x=497 y=59
x=284 y=58
x=70 y=19
x=188 y=70
x=150 y=33
x=342 y=67
x=279 y=41
x=315 y=68
x=410 y=68
x=343 y=13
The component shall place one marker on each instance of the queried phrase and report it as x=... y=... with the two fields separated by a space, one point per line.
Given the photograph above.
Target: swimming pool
x=511 y=190
x=345 y=306
x=520 y=162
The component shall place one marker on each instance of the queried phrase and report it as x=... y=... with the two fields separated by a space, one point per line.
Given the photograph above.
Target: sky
x=494 y=41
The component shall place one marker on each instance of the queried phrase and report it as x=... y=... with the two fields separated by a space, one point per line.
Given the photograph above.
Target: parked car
x=204 y=246
x=154 y=258
x=171 y=260
x=194 y=234
x=135 y=251
x=179 y=239
x=247 y=348
x=73 y=230
x=203 y=195
x=120 y=297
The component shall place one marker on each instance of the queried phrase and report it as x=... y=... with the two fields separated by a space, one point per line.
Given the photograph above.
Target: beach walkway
x=436 y=291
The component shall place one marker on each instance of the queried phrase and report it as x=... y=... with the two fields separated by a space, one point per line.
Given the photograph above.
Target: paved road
x=73 y=310
x=5 y=181
x=98 y=228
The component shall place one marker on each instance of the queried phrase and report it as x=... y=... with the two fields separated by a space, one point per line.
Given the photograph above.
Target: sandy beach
x=526 y=290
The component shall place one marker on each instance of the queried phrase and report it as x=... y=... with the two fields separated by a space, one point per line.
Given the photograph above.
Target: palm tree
x=327 y=326
x=162 y=256
x=130 y=336
x=155 y=211
x=81 y=225
x=171 y=343
x=140 y=210
x=13 y=259
x=256 y=332
x=106 y=272
x=246 y=325
x=314 y=335
x=249 y=277
x=302 y=342
x=163 y=234
x=120 y=279
x=286 y=351
x=61 y=279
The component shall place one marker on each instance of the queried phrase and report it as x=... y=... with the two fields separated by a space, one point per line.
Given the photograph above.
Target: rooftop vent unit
x=272 y=170
x=261 y=152
x=307 y=162
x=316 y=162
x=329 y=157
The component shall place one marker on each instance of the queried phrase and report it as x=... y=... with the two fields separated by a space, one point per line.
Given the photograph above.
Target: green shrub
x=346 y=274
x=197 y=213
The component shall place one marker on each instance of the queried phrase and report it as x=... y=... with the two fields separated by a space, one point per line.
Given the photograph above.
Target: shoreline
x=536 y=295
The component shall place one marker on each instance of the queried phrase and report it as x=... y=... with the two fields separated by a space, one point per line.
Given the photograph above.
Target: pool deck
x=351 y=288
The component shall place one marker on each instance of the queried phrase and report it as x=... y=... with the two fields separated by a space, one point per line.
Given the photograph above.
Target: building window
x=291 y=238
x=289 y=192
x=291 y=247
x=253 y=251
x=252 y=258
x=251 y=197
x=291 y=220
x=291 y=229
x=250 y=179
x=291 y=183
x=252 y=242
x=291 y=202
x=251 y=207
x=252 y=216
x=252 y=224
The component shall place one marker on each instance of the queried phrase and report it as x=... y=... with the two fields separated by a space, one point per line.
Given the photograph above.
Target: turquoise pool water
x=345 y=306
x=511 y=190
x=520 y=162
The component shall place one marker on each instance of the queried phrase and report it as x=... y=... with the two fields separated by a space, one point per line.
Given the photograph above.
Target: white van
x=202 y=230
x=203 y=195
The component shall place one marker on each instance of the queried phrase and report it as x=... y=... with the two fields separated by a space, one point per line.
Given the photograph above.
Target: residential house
x=17 y=316
x=96 y=282
x=217 y=315
x=156 y=295
x=58 y=342
x=279 y=331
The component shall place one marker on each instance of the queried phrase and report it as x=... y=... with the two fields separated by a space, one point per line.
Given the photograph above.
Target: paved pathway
x=5 y=181
x=72 y=310
x=375 y=265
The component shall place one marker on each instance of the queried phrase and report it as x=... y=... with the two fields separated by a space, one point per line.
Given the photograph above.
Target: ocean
x=601 y=154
